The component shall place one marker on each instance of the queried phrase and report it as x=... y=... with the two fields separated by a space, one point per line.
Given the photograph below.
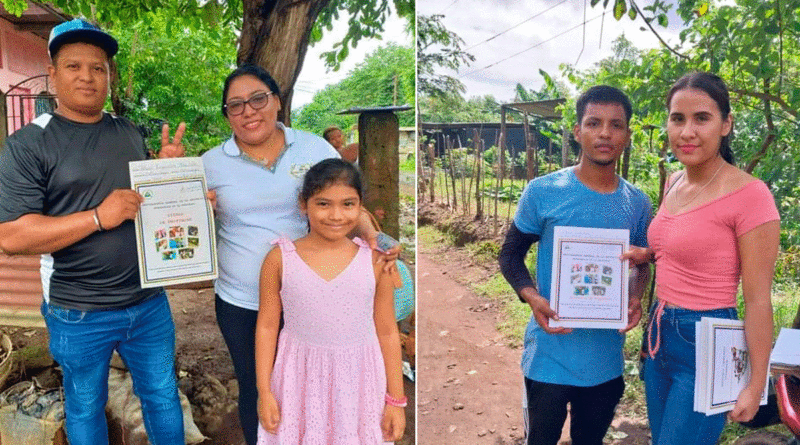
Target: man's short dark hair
x=603 y=94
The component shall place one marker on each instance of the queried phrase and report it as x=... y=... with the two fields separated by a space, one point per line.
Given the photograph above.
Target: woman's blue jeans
x=669 y=381
x=144 y=335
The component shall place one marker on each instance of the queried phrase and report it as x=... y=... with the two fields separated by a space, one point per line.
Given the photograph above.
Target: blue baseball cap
x=79 y=30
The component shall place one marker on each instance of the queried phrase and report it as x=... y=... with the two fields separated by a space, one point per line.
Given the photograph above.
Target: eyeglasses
x=256 y=101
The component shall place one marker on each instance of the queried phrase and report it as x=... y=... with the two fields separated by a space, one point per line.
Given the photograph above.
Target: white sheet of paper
x=787 y=348
x=589 y=284
x=175 y=233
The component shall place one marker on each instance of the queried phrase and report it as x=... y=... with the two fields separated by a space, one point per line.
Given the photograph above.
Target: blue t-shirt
x=256 y=205
x=585 y=357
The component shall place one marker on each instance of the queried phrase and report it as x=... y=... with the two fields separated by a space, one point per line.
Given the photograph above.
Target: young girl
x=337 y=375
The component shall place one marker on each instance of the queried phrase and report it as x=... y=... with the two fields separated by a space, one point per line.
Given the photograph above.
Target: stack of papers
x=785 y=355
x=723 y=365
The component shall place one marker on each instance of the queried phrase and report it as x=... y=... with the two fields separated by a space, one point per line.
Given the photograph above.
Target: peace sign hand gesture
x=172 y=149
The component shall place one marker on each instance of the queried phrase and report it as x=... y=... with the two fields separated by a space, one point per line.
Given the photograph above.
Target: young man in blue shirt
x=582 y=367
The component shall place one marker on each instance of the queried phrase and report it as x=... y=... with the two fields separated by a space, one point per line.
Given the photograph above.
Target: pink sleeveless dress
x=329 y=378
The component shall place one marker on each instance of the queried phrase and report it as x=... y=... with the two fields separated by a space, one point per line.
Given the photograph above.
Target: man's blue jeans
x=669 y=381
x=144 y=335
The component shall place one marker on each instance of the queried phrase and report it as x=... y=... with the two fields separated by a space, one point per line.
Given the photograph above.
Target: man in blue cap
x=65 y=194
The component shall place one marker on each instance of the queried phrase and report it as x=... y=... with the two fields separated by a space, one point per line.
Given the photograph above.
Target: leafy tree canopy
x=437 y=47
x=171 y=73
x=385 y=78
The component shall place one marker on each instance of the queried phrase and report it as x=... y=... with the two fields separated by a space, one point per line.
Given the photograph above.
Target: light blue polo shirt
x=256 y=205
x=585 y=357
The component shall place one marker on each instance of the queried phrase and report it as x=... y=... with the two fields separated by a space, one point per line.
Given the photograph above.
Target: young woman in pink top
x=717 y=226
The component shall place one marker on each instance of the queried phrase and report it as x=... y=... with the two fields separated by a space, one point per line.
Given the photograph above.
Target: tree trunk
x=626 y=161
x=275 y=36
x=662 y=172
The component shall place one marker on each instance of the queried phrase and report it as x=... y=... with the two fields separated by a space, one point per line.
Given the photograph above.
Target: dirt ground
x=204 y=366
x=470 y=387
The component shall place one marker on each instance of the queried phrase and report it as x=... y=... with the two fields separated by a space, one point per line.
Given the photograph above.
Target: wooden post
x=378 y=157
x=564 y=147
x=502 y=164
x=451 y=163
x=432 y=162
x=478 y=174
x=528 y=155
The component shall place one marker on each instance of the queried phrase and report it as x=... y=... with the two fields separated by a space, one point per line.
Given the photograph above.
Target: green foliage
x=169 y=73
x=408 y=165
x=366 y=19
x=507 y=193
x=449 y=108
x=483 y=251
x=437 y=47
x=386 y=77
x=752 y=45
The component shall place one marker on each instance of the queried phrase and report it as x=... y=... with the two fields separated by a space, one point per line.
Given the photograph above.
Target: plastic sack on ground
x=30 y=415
x=125 y=409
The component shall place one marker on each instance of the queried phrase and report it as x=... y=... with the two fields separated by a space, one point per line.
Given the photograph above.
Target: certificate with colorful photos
x=589 y=285
x=175 y=232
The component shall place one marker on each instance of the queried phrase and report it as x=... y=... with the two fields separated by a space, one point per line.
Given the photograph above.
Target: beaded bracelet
x=400 y=403
x=97 y=220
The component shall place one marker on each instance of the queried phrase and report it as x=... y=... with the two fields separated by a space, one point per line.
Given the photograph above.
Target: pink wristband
x=400 y=403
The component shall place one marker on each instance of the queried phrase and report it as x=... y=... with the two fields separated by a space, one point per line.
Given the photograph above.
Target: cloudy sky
x=314 y=76
x=534 y=34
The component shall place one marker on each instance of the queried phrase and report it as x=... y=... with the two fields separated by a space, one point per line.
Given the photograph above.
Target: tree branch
x=772 y=98
x=658 y=36
x=770 y=133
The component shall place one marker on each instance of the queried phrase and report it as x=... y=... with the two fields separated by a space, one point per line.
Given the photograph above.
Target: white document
x=589 y=285
x=723 y=365
x=786 y=353
x=175 y=232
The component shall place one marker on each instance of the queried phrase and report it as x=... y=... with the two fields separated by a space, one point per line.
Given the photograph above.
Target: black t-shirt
x=56 y=167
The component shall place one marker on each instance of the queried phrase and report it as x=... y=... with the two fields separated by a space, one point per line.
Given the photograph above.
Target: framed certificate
x=175 y=233
x=589 y=285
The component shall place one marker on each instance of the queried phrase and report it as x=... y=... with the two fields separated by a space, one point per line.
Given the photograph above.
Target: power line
x=518 y=24
x=532 y=47
x=448 y=6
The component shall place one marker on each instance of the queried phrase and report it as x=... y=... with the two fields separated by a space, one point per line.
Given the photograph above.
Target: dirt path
x=470 y=385
x=470 y=388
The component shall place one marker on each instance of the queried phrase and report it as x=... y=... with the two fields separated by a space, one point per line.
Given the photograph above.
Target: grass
x=408 y=164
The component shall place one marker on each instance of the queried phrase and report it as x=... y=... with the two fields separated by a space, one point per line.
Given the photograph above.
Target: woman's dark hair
x=716 y=89
x=328 y=172
x=248 y=69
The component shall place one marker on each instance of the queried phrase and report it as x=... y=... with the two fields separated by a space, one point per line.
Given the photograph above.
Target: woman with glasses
x=256 y=175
